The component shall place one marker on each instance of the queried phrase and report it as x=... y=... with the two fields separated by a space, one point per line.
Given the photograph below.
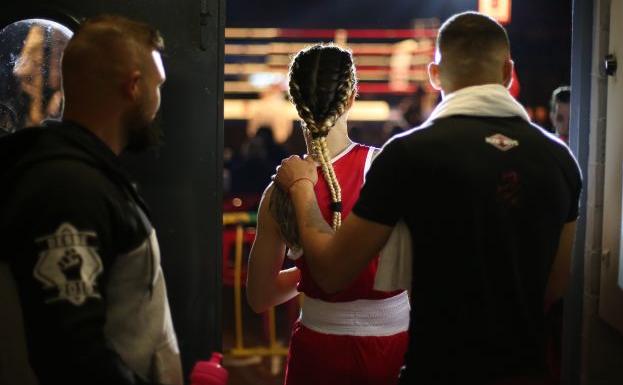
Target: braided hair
x=322 y=80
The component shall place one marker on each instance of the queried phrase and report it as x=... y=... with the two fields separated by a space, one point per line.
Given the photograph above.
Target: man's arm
x=62 y=250
x=560 y=273
x=334 y=260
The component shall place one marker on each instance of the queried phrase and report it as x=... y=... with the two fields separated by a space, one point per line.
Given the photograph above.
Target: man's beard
x=142 y=133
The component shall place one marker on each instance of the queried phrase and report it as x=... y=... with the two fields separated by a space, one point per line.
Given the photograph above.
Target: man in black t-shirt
x=490 y=200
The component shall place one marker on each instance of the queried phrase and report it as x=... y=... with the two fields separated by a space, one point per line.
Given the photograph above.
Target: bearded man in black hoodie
x=74 y=231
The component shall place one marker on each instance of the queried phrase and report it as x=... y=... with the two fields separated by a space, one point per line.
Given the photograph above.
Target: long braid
x=322 y=81
x=329 y=175
x=336 y=190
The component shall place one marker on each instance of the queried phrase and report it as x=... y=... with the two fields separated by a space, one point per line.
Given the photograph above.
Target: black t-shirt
x=485 y=200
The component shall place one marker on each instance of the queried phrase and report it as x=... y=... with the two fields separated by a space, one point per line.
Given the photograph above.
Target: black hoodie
x=85 y=258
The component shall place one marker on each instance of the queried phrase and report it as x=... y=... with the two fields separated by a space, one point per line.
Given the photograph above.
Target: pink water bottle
x=209 y=372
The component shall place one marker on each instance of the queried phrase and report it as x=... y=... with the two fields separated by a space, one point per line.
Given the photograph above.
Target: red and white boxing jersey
x=350 y=167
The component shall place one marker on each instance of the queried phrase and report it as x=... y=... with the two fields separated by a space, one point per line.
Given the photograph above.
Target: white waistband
x=363 y=317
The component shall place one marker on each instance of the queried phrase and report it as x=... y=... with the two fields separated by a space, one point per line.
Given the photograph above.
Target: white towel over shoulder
x=394 y=269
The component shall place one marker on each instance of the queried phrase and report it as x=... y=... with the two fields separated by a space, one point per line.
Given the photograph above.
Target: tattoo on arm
x=315 y=220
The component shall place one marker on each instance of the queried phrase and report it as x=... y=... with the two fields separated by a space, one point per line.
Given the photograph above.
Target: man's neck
x=105 y=127
x=451 y=88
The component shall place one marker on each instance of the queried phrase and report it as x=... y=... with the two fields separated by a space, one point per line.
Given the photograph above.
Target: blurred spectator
x=559 y=112
x=270 y=111
x=407 y=114
x=260 y=155
x=400 y=64
x=274 y=151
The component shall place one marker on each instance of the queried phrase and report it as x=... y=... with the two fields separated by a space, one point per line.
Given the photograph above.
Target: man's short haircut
x=560 y=95
x=471 y=45
x=103 y=35
x=138 y=32
x=101 y=46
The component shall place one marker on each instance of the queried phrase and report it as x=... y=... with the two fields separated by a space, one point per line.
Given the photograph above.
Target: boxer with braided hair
x=356 y=335
x=323 y=103
x=320 y=101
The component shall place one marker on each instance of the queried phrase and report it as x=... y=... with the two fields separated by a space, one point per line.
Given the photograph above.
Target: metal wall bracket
x=610 y=64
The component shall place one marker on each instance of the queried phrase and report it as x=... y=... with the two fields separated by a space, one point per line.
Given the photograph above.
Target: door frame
x=581 y=67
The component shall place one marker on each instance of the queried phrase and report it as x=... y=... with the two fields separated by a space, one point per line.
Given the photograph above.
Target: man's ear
x=434 y=76
x=131 y=87
x=507 y=74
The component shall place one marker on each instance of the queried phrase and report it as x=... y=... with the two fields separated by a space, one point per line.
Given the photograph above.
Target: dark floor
x=254 y=374
x=253 y=370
